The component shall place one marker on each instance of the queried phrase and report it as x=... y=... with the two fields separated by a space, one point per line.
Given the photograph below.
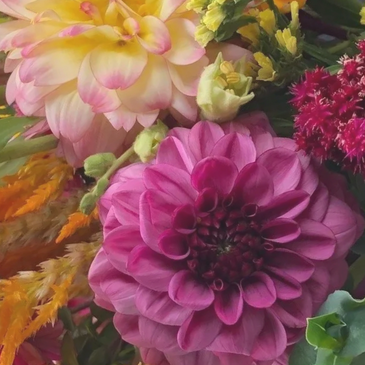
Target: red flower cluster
x=331 y=113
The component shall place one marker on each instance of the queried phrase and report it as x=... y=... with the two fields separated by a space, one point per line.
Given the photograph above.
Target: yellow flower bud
x=203 y=35
x=147 y=142
x=196 y=5
x=222 y=91
x=294 y=7
x=362 y=14
x=287 y=40
x=268 y=21
x=266 y=71
x=214 y=17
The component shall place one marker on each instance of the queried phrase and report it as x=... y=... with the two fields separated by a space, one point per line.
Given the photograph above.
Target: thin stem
x=357 y=270
x=119 y=162
x=16 y=150
x=339 y=47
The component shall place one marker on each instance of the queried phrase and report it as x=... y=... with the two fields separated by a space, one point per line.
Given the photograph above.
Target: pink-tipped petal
x=186 y=290
x=259 y=290
x=158 y=307
x=236 y=147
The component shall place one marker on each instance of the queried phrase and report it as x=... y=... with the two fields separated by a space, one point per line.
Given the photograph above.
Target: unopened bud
x=147 y=142
x=97 y=165
x=88 y=203
x=101 y=187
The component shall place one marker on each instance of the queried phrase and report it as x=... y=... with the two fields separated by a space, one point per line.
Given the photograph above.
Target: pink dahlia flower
x=43 y=348
x=84 y=63
x=217 y=252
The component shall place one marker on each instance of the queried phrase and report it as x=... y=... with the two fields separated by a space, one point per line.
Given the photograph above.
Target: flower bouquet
x=182 y=182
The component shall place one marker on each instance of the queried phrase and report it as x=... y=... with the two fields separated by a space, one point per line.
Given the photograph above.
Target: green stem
x=119 y=162
x=357 y=270
x=339 y=47
x=16 y=150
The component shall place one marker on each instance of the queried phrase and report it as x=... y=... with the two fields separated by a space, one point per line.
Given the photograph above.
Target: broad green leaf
x=360 y=360
x=68 y=351
x=65 y=316
x=355 y=344
x=11 y=167
x=317 y=335
x=9 y=127
x=99 y=357
x=325 y=357
x=339 y=12
x=303 y=354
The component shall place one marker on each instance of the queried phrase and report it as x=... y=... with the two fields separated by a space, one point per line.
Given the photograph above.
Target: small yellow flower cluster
x=266 y=28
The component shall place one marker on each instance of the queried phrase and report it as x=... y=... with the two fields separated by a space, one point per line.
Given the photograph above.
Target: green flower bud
x=147 y=142
x=101 y=187
x=222 y=89
x=88 y=203
x=97 y=165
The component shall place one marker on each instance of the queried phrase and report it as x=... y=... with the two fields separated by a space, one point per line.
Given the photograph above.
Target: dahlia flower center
x=226 y=245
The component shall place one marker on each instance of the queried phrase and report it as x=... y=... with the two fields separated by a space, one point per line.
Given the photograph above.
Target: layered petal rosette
x=217 y=251
x=83 y=63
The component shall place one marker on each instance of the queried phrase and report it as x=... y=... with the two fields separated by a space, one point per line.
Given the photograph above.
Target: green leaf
x=11 y=167
x=319 y=54
x=65 y=316
x=68 y=352
x=360 y=360
x=303 y=354
x=339 y=12
x=11 y=126
x=333 y=69
x=325 y=357
x=355 y=344
x=99 y=357
x=100 y=313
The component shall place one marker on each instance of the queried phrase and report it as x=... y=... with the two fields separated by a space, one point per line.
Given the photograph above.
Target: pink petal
x=184 y=48
x=280 y=230
x=63 y=107
x=254 y=185
x=240 y=338
x=119 y=243
x=290 y=263
x=160 y=308
x=120 y=289
x=153 y=356
x=271 y=342
x=259 y=290
x=342 y=222
x=309 y=181
x=116 y=66
x=186 y=77
x=228 y=305
x=92 y=92
x=156 y=208
x=229 y=51
x=199 y=331
x=154 y=35
x=173 y=245
x=186 y=290
x=159 y=336
x=126 y=201
x=153 y=89
x=286 y=287
x=318 y=204
x=184 y=219
x=236 y=147
x=218 y=173
x=168 y=7
x=229 y=359
x=293 y=313
x=127 y=326
x=316 y=241
x=121 y=118
x=172 y=152
x=183 y=108
x=197 y=357
x=284 y=167
x=202 y=138
x=170 y=180
x=148 y=118
x=319 y=284
x=150 y=268
x=287 y=205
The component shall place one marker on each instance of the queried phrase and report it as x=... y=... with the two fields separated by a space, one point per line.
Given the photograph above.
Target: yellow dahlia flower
x=87 y=63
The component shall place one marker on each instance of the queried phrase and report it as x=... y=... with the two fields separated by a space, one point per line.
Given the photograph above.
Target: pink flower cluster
x=217 y=251
x=331 y=113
